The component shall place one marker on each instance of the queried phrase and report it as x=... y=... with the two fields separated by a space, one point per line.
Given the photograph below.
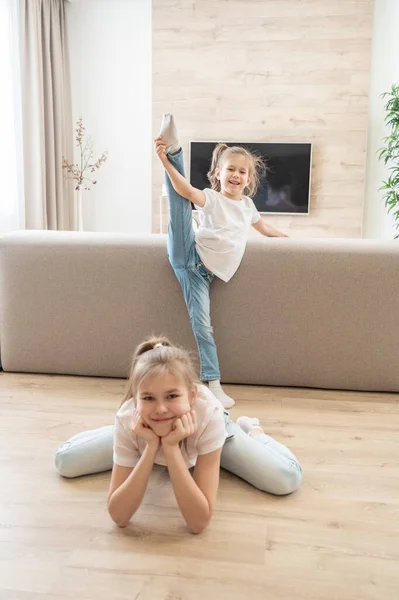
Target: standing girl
x=217 y=247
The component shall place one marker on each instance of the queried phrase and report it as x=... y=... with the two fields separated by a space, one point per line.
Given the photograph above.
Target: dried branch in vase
x=78 y=172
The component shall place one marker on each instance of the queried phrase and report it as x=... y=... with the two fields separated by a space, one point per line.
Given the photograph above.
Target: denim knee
x=65 y=462
x=287 y=480
x=202 y=331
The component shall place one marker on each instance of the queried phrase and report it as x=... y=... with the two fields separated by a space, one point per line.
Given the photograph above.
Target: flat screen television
x=285 y=188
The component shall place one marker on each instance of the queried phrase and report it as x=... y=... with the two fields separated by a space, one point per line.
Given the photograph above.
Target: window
x=11 y=162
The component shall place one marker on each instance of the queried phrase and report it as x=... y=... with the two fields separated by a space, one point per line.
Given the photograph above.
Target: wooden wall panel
x=272 y=70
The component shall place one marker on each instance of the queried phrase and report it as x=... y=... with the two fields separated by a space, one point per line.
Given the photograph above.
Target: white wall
x=384 y=72
x=111 y=78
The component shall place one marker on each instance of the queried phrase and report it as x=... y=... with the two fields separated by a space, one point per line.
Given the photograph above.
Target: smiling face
x=163 y=398
x=233 y=175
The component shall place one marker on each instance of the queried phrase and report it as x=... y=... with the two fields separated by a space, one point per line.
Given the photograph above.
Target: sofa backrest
x=312 y=313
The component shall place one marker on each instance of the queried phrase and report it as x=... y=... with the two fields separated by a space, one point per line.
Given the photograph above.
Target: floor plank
x=335 y=539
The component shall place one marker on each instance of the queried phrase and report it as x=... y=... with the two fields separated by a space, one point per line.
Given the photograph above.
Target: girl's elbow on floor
x=198 y=528
x=118 y=520
x=121 y=524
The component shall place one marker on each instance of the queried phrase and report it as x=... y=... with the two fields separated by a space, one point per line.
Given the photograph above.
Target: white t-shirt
x=223 y=232
x=210 y=435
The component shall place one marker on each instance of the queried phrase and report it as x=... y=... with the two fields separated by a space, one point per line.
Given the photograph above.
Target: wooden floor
x=336 y=538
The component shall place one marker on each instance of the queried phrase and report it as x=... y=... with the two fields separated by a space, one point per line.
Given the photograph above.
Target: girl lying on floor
x=168 y=418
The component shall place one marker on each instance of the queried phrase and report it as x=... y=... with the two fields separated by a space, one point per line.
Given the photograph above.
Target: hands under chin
x=182 y=428
x=143 y=431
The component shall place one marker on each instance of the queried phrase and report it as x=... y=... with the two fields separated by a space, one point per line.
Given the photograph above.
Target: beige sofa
x=314 y=313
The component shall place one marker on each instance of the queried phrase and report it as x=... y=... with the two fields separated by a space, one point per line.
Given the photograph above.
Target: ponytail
x=217 y=154
x=150 y=344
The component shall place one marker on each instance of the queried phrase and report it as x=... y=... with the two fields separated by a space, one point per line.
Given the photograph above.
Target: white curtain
x=11 y=162
x=46 y=112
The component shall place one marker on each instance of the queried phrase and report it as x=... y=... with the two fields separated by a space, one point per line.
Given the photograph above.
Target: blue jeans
x=261 y=461
x=193 y=276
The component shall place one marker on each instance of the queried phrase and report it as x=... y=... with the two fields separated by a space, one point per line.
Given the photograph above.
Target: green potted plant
x=389 y=153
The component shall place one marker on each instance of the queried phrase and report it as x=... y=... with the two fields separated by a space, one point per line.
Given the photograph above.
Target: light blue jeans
x=193 y=276
x=261 y=461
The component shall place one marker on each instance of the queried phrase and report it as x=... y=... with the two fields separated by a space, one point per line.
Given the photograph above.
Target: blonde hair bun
x=168 y=359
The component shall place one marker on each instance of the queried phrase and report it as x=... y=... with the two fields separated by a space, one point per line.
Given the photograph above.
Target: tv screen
x=285 y=188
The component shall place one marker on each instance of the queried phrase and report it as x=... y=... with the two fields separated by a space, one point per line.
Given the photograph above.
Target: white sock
x=169 y=133
x=217 y=390
x=247 y=424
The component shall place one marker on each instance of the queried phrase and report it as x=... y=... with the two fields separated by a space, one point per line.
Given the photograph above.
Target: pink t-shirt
x=210 y=434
